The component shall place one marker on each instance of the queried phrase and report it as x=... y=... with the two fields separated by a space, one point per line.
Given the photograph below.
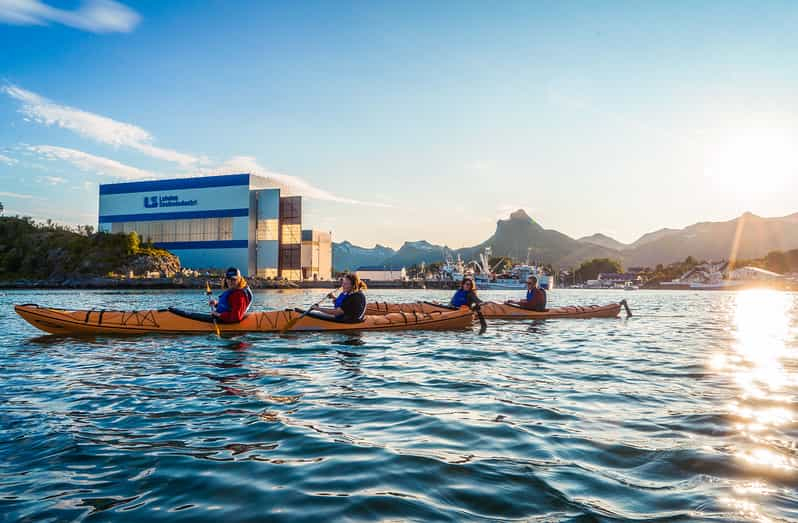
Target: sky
x=402 y=121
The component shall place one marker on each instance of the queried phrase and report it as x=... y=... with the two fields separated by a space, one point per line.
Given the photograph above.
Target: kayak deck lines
x=493 y=310
x=166 y=321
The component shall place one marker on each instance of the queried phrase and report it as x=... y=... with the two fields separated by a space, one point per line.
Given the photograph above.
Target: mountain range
x=520 y=235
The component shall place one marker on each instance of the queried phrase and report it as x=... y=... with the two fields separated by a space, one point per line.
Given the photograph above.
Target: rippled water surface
x=686 y=411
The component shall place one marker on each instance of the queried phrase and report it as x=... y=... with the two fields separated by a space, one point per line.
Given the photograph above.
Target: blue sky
x=412 y=120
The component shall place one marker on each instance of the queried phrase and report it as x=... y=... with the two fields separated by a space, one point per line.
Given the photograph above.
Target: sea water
x=684 y=412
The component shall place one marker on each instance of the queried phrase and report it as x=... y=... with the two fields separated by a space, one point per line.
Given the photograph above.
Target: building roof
x=615 y=276
x=763 y=272
x=199 y=182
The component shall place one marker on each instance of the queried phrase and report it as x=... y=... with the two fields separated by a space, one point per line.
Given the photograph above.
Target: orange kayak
x=505 y=312
x=174 y=321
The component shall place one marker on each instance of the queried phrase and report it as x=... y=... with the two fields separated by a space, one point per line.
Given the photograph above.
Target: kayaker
x=535 y=297
x=338 y=300
x=466 y=295
x=350 y=305
x=233 y=303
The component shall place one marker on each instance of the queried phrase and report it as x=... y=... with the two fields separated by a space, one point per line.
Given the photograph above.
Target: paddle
x=626 y=306
x=483 y=325
x=291 y=323
x=208 y=292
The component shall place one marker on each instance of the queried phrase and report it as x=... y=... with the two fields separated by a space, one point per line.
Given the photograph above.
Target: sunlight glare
x=754 y=162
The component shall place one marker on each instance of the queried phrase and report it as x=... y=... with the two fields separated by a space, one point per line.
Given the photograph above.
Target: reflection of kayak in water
x=504 y=311
x=175 y=321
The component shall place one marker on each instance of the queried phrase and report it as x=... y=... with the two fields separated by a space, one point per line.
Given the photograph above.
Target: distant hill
x=715 y=240
x=413 y=253
x=604 y=241
x=348 y=257
x=520 y=235
x=652 y=236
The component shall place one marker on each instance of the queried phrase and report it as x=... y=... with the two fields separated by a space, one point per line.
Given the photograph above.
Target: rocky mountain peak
x=520 y=215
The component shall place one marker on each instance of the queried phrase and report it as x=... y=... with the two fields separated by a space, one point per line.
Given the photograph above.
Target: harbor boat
x=486 y=278
x=175 y=321
x=492 y=310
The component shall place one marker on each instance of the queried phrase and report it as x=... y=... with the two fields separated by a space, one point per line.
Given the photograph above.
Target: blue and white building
x=211 y=222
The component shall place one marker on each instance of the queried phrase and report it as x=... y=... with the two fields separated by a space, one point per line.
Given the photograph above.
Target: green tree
x=590 y=270
x=133 y=242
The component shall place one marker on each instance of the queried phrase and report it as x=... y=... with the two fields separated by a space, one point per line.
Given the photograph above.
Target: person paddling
x=466 y=295
x=338 y=300
x=350 y=305
x=233 y=303
x=535 y=297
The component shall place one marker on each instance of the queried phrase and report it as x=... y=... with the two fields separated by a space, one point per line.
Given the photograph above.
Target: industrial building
x=381 y=273
x=213 y=222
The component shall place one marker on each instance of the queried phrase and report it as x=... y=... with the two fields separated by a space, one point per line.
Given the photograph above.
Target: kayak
x=502 y=311
x=176 y=321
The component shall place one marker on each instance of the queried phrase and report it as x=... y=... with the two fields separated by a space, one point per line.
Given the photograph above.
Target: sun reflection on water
x=762 y=364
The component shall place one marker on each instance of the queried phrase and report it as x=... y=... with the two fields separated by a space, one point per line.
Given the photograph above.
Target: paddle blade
x=483 y=325
x=207 y=287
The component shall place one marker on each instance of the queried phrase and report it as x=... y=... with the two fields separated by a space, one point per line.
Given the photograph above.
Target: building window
x=291 y=234
x=292 y=275
x=267 y=273
x=291 y=209
x=203 y=229
x=267 y=229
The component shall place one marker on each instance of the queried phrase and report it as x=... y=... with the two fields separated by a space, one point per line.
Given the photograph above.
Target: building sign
x=154 y=202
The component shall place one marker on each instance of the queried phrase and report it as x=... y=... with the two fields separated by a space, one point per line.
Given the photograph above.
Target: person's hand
x=213 y=302
x=216 y=314
x=331 y=296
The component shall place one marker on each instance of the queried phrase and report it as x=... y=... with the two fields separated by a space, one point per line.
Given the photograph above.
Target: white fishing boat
x=486 y=278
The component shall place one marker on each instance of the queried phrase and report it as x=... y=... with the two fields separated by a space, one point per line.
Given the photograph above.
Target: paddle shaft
x=295 y=320
x=215 y=325
x=483 y=325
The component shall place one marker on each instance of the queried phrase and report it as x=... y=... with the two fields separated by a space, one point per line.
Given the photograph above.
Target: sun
x=753 y=162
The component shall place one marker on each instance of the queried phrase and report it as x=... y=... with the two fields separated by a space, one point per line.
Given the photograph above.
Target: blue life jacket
x=340 y=299
x=460 y=298
x=530 y=294
x=224 y=299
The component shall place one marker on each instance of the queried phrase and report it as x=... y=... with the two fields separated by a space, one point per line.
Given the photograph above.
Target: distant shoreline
x=178 y=283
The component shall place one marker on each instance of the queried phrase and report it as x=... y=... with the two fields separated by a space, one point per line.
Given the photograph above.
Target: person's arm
x=473 y=298
x=238 y=306
x=329 y=310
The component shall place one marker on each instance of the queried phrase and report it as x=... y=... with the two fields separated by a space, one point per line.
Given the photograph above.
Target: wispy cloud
x=289 y=184
x=120 y=134
x=94 y=126
x=7 y=160
x=51 y=180
x=17 y=195
x=96 y=16
x=91 y=163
